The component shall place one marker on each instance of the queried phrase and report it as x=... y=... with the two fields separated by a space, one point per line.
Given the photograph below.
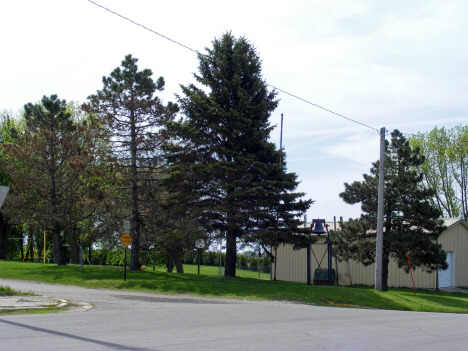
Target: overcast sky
x=393 y=64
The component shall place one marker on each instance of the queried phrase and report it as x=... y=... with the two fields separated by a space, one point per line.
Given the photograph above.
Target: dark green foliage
x=411 y=222
x=134 y=117
x=224 y=168
x=109 y=257
x=50 y=171
x=242 y=261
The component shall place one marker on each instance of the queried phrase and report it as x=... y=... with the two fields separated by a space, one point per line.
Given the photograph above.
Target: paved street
x=137 y=321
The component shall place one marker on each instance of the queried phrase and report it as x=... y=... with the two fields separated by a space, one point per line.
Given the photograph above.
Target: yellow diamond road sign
x=126 y=239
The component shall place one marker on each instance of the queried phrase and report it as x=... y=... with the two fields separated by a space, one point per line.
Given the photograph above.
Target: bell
x=318 y=226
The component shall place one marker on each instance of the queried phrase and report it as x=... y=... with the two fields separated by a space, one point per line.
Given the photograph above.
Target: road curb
x=22 y=302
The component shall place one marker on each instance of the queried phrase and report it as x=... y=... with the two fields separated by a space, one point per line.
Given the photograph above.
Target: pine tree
x=54 y=179
x=134 y=117
x=8 y=127
x=224 y=167
x=411 y=222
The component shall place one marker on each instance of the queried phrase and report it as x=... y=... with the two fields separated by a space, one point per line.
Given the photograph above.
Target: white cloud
x=394 y=64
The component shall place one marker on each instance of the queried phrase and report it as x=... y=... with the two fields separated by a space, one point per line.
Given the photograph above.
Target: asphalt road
x=138 y=321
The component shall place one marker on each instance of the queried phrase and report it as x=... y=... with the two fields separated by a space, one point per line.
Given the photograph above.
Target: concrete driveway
x=139 y=321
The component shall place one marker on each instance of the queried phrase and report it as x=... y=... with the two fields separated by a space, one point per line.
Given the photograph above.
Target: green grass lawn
x=213 y=270
x=7 y=291
x=209 y=284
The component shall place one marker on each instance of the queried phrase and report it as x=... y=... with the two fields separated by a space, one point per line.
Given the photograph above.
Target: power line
x=195 y=51
x=140 y=25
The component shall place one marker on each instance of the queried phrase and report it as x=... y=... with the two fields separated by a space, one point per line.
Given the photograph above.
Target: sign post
x=199 y=244
x=126 y=239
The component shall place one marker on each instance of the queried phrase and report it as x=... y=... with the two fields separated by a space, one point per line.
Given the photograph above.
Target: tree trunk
x=231 y=255
x=39 y=238
x=73 y=239
x=57 y=246
x=3 y=238
x=178 y=262
x=169 y=261
x=21 y=246
x=31 y=244
x=385 y=262
x=135 y=251
x=59 y=254
x=175 y=258
x=134 y=255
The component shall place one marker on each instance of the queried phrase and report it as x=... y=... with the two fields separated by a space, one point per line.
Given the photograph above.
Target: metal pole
x=220 y=256
x=43 y=259
x=258 y=264
x=81 y=257
x=198 y=260
x=380 y=209
x=125 y=265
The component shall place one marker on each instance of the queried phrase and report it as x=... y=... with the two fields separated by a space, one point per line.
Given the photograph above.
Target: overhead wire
x=198 y=53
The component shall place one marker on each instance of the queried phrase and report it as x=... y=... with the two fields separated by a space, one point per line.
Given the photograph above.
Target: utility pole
x=309 y=281
x=281 y=166
x=380 y=209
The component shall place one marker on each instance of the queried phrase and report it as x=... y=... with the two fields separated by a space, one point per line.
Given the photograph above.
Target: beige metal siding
x=455 y=239
x=292 y=265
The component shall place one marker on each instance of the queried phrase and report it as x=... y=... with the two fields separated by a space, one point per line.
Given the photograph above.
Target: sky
x=393 y=64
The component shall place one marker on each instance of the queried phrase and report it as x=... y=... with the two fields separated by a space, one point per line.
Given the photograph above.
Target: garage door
x=447 y=277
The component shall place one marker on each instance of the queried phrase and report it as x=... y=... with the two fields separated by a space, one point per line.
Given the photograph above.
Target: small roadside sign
x=126 y=227
x=200 y=243
x=126 y=239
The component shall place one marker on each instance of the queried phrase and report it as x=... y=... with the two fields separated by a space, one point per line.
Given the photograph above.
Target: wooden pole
x=437 y=273
x=281 y=167
x=380 y=208
x=309 y=275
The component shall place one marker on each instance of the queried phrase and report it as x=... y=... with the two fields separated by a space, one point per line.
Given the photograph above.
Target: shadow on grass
x=106 y=277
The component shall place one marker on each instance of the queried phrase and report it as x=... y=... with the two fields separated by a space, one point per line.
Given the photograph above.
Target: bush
x=242 y=261
x=109 y=257
x=190 y=257
x=209 y=258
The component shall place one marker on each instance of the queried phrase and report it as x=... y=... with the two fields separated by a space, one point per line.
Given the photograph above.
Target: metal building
x=292 y=264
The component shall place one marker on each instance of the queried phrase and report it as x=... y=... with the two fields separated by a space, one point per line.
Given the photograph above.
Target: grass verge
x=106 y=277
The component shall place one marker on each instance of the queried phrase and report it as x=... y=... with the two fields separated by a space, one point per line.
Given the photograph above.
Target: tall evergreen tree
x=134 y=116
x=224 y=167
x=411 y=222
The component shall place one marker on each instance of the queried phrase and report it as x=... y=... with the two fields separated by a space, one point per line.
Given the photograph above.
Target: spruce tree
x=224 y=168
x=411 y=221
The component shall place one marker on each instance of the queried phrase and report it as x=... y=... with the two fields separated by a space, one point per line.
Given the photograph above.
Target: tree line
x=201 y=167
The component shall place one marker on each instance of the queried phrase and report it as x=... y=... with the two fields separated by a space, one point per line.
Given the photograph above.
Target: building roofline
x=454 y=221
